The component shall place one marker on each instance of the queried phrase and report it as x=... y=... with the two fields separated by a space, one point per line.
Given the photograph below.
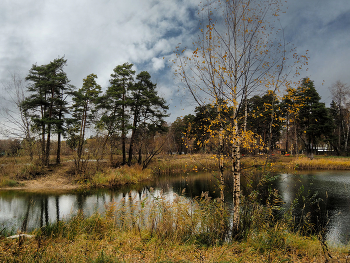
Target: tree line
x=50 y=105
x=301 y=123
x=131 y=110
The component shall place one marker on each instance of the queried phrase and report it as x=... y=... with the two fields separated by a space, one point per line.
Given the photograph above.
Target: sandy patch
x=49 y=183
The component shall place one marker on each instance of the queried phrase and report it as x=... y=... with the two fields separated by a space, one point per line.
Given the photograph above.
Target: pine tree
x=84 y=108
x=115 y=103
x=145 y=107
x=313 y=118
x=46 y=105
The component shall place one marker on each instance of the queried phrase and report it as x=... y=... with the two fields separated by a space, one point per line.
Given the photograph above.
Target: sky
x=97 y=35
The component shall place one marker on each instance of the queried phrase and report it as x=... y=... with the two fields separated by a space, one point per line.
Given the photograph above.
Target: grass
x=324 y=163
x=118 y=177
x=14 y=171
x=156 y=229
x=6 y=182
x=160 y=230
x=175 y=164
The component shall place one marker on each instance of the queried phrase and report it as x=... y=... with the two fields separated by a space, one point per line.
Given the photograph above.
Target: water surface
x=326 y=195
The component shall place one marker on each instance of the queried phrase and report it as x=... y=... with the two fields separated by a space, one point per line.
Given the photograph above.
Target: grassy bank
x=321 y=163
x=16 y=172
x=164 y=231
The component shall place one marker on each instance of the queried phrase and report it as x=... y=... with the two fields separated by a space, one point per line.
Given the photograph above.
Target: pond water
x=326 y=195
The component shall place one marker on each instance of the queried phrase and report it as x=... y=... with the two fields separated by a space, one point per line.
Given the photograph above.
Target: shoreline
x=60 y=181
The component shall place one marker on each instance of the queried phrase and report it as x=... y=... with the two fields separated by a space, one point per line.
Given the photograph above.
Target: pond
x=326 y=195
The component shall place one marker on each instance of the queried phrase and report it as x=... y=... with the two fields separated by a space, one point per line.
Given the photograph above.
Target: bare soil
x=54 y=180
x=48 y=183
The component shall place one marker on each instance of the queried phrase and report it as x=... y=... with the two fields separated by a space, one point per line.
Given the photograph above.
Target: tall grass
x=113 y=177
x=159 y=228
x=175 y=164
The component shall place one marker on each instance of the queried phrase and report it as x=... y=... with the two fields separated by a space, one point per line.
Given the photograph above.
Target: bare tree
x=341 y=99
x=17 y=123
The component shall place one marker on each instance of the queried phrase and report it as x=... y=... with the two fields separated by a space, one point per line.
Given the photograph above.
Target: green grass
x=5 y=182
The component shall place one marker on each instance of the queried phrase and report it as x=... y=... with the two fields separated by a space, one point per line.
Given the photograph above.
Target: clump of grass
x=30 y=171
x=112 y=177
x=7 y=182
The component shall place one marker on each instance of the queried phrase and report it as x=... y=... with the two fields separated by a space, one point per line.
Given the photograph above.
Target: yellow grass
x=103 y=238
x=324 y=163
x=112 y=177
x=133 y=247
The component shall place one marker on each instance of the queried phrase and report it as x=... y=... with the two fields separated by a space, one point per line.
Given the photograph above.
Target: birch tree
x=239 y=51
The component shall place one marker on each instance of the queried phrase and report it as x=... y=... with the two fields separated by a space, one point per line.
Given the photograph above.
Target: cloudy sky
x=97 y=35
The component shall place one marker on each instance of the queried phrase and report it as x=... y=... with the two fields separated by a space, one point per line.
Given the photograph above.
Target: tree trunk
x=59 y=132
x=221 y=156
x=48 y=144
x=236 y=171
x=43 y=143
x=347 y=137
x=58 y=156
x=131 y=147
x=123 y=131
x=140 y=155
x=132 y=139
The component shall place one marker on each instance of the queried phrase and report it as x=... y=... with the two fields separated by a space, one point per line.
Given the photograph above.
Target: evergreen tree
x=259 y=117
x=115 y=103
x=146 y=107
x=84 y=109
x=313 y=118
x=46 y=105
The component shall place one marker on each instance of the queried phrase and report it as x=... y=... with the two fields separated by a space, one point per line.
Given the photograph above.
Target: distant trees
x=340 y=112
x=259 y=114
x=146 y=108
x=115 y=103
x=303 y=120
x=313 y=120
x=18 y=123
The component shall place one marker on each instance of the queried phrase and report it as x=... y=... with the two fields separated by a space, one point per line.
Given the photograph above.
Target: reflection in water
x=27 y=211
x=327 y=196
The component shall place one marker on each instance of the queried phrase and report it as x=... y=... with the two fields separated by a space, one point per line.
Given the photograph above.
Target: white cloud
x=158 y=63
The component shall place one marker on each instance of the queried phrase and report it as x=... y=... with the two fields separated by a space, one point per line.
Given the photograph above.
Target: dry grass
x=165 y=232
x=324 y=163
x=112 y=177
x=175 y=164
x=133 y=247
x=16 y=171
